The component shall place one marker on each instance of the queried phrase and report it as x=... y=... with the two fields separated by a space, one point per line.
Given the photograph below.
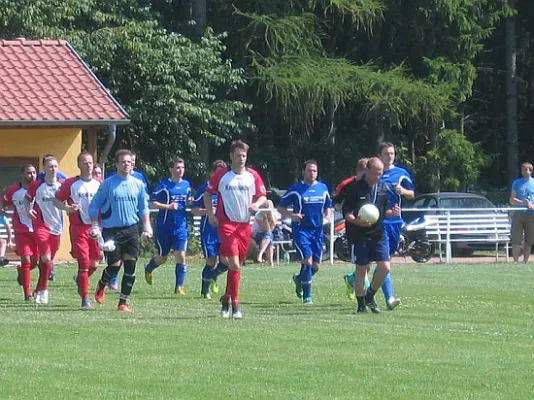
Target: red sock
x=234 y=277
x=83 y=284
x=26 y=277
x=44 y=272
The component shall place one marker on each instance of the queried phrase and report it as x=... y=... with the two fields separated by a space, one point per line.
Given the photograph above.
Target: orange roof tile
x=45 y=82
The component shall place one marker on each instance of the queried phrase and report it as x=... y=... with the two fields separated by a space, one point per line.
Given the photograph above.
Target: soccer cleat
x=307 y=301
x=52 y=276
x=44 y=296
x=29 y=299
x=214 y=288
x=148 y=277
x=179 y=290
x=298 y=286
x=225 y=309
x=38 y=297
x=236 y=312
x=100 y=293
x=349 y=290
x=206 y=296
x=371 y=303
x=124 y=308
x=362 y=310
x=392 y=303
x=86 y=305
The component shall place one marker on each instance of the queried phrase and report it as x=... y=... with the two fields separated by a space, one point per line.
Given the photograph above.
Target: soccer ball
x=369 y=213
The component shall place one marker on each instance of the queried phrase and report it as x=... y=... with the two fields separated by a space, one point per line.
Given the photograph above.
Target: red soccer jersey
x=14 y=197
x=339 y=194
x=235 y=193
x=42 y=194
x=81 y=192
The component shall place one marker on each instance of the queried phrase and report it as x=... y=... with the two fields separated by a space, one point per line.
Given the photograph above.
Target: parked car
x=428 y=202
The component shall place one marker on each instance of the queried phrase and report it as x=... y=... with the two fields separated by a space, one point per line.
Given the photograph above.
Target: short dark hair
x=384 y=145
x=97 y=165
x=26 y=167
x=218 y=164
x=175 y=160
x=122 y=152
x=305 y=164
x=83 y=154
x=238 y=144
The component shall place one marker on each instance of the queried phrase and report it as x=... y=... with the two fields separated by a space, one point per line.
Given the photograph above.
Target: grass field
x=462 y=332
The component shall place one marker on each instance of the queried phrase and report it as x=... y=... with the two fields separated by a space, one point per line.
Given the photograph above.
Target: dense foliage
x=323 y=79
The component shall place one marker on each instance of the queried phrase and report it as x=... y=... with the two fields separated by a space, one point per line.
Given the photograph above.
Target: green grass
x=462 y=332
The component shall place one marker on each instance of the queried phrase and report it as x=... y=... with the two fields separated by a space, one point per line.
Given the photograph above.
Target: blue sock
x=351 y=278
x=207 y=272
x=151 y=266
x=387 y=287
x=219 y=270
x=180 y=272
x=306 y=274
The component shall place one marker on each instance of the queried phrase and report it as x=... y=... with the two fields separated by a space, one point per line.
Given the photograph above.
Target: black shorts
x=126 y=242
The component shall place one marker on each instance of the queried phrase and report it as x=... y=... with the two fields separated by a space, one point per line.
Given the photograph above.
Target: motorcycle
x=414 y=241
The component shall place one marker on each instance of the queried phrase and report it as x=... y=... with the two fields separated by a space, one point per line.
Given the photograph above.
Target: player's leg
x=529 y=236
x=360 y=257
x=263 y=241
x=303 y=244
x=163 y=241
x=233 y=251
x=113 y=259
x=516 y=235
x=379 y=252
x=129 y=254
x=391 y=237
x=180 y=270
x=26 y=249
x=300 y=252
x=45 y=264
x=210 y=250
x=269 y=252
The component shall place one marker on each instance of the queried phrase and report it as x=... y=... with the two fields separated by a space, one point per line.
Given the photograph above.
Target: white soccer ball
x=369 y=213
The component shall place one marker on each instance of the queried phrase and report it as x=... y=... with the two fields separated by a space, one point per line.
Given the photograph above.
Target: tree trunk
x=511 y=97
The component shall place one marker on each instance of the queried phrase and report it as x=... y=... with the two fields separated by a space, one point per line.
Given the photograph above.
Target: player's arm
x=144 y=212
x=327 y=209
x=405 y=187
x=29 y=201
x=198 y=204
x=350 y=210
x=61 y=198
x=516 y=202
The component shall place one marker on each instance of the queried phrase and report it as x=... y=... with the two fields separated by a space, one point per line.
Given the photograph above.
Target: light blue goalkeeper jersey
x=120 y=201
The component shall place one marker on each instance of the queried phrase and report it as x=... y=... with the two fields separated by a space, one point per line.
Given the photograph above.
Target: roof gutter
x=110 y=141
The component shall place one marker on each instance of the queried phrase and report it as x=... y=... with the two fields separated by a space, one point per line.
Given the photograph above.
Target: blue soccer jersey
x=389 y=180
x=167 y=192
x=310 y=200
x=208 y=233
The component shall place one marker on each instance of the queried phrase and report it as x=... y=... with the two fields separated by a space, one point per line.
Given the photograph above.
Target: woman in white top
x=262 y=231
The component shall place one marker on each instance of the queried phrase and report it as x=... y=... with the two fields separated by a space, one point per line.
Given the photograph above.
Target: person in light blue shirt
x=119 y=205
x=523 y=219
x=311 y=203
x=209 y=239
x=171 y=197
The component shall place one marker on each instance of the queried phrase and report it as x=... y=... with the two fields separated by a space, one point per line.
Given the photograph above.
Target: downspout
x=112 y=135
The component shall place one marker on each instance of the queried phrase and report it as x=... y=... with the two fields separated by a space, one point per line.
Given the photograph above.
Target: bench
x=469 y=226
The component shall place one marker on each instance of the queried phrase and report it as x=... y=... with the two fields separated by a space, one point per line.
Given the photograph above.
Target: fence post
x=448 y=247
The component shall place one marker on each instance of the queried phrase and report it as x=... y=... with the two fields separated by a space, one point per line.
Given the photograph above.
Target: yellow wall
x=64 y=143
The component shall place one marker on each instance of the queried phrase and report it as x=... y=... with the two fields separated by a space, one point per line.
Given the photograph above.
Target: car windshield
x=467 y=202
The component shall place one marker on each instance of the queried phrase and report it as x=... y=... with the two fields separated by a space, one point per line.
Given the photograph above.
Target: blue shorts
x=167 y=240
x=392 y=233
x=309 y=243
x=366 y=251
x=259 y=236
x=210 y=244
